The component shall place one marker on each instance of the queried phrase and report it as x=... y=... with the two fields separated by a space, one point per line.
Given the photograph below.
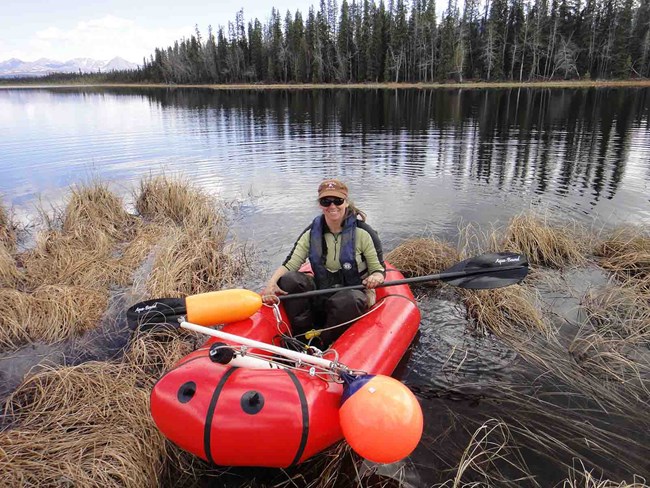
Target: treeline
x=518 y=40
x=495 y=40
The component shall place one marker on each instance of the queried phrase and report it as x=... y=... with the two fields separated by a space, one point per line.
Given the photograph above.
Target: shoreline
x=355 y=86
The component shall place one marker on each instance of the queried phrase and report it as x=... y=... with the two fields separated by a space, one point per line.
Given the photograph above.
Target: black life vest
x=349 y=272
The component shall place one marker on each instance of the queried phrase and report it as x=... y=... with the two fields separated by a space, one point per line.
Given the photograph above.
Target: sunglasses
x=327 y=201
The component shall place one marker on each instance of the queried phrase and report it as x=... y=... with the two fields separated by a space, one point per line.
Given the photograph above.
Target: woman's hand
x=373 y=280
x=271 y=292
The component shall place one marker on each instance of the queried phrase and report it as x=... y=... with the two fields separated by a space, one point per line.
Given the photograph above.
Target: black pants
x=322 y=311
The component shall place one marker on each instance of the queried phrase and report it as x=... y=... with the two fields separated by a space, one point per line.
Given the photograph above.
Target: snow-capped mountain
x=13 y=68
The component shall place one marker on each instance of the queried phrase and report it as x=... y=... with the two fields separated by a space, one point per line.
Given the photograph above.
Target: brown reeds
x=7 y=230
x=619 y=312
x=94 y=206
x=49 y=313
x=165 y=199
x=555 y=246
x=625 y=252
x=422 y=256
x=87 y=425
x=83 y=258
x=510 y=311
x=194 y=262
x=10 y=276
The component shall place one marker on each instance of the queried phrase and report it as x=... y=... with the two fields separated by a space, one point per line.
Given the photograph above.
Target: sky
x=131 y=29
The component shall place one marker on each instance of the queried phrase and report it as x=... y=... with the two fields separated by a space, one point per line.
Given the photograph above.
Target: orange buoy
x=222 y=307
x=380 y=418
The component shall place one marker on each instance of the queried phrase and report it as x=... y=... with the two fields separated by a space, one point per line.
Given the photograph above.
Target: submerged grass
x=511 y=311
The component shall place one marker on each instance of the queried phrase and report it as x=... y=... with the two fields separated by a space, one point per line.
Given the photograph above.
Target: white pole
x=298 y=356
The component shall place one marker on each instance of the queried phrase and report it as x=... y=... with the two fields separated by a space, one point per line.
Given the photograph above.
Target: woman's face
x=332 y=211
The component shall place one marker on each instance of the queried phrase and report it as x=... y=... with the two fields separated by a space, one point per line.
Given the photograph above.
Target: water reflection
x=438 y=155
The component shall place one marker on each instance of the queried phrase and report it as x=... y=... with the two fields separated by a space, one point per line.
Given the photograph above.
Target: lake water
x=419 y=162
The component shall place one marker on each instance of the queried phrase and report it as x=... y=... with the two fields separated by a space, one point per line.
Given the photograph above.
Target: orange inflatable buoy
x=222 y=307
x=380 y=418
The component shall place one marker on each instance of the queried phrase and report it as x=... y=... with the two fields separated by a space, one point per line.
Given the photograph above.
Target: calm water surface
x=419 y=162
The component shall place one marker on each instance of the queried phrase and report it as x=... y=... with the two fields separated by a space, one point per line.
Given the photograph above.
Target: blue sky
x=131 y=29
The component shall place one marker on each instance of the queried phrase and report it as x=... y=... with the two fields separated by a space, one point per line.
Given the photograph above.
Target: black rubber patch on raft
x=186 y=392
x=208 y=417
x=252 y=402
x=304 y=408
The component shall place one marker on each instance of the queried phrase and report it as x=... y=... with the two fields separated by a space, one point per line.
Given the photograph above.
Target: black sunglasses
x=327 y=201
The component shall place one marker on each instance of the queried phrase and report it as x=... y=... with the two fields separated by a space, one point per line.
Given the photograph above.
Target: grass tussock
x=626 y=253
x=422 y=256
x=193 y=263
x=155 y=353
x=544 y=244
x=164 y=199
x=510 y=311
x=10 y=276
x=7 y=230
x=619 y=312
x=87 y=425
x=82 y=258
x=95 y=206
x=49 y=313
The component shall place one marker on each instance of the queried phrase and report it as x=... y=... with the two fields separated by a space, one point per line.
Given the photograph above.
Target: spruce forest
x=402 y=41
x=363 y=41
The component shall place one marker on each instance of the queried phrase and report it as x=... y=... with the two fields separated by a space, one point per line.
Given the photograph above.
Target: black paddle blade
x=494 y=270
x=159 y=313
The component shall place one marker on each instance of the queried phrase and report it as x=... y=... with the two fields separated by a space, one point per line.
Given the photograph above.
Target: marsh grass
x=619 y=312
x=194 y=262
x=94 y=206
x=507 y=312
x=154 y=353
x=86 y=425
x=555 y=246
x=165 y=199
x=625 y=252
x=10 y=276
x=83 y=258
x=49 y=313
x=489 y=450
x=423 y=256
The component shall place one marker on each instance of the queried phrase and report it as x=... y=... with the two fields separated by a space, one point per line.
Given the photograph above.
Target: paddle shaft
x=417 y=279
x=298 y=356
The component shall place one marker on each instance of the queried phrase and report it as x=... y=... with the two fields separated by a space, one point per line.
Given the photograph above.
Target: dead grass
x=164 y=199
x=10 y=276
x=555 y=246
x=83 y=258
x=94 y=206
x=619 y=312
x=507 y=312
x=49 y=313
x=156 y=353
x=626 y=252
x=190 y=263
x=7 y=230
x=87 y=425
x=422 y=256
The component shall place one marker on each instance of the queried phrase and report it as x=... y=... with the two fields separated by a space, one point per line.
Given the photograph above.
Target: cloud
x=102 y=38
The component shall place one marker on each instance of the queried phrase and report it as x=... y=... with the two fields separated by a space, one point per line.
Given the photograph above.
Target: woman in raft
x=343 y=250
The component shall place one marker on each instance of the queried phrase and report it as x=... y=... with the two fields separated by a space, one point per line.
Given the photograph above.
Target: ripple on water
x=450 y=359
